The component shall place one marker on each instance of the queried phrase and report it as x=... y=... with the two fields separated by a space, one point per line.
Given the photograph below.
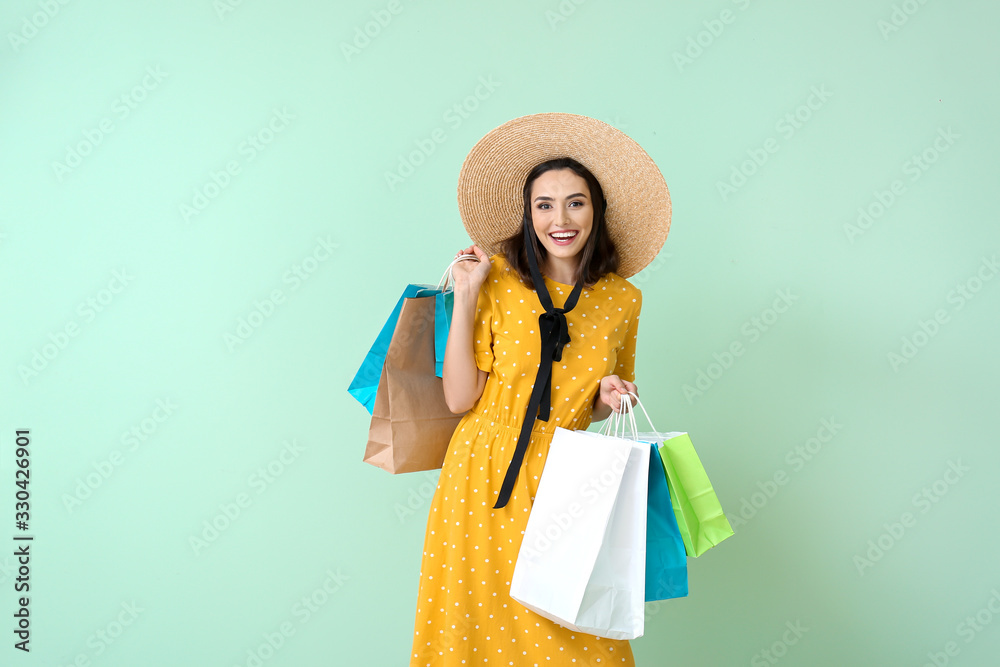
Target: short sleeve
x=482 y=328
x=626 y=355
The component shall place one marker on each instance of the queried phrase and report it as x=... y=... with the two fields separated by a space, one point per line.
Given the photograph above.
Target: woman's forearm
x=601 y=409
x=463 y=381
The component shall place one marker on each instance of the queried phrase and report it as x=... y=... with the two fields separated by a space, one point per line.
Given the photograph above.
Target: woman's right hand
x=469 y=274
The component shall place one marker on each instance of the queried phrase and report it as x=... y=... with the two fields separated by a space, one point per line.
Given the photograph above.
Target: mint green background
x=162 y=336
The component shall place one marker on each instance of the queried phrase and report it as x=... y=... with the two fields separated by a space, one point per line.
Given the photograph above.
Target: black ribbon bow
x=555 y=335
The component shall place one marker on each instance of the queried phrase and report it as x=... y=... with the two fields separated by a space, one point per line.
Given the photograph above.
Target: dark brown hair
x=599 y=255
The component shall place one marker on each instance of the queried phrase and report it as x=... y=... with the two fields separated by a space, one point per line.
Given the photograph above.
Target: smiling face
x=561 y=212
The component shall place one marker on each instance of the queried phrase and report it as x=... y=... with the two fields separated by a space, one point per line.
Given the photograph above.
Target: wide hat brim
x=493 y=174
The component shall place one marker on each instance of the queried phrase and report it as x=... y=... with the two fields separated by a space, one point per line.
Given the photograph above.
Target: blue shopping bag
x=364 y=386
x=444 y=304
x=365 y=383
x=666 y=559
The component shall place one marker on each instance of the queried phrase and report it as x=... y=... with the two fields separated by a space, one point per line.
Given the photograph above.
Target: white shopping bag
x=582 y=561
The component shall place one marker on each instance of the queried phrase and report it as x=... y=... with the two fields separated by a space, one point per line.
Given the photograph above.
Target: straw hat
x=494 y=171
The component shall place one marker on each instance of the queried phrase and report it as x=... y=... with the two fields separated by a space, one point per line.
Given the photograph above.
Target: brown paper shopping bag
x=411 y=424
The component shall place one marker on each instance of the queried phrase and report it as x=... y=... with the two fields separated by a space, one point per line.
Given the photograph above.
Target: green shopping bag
x=699 y=515
x=700 y=518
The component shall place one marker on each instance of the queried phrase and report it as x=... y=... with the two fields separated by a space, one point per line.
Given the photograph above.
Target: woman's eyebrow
x=547 y=198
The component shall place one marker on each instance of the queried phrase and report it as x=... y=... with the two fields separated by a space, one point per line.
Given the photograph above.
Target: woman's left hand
x=612 y=388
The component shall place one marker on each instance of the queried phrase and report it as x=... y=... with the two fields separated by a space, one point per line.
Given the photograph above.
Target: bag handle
x=646 y=414
x=610 y=425
x=448 y=277
x=616 y=424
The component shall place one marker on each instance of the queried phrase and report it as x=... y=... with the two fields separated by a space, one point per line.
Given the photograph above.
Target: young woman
x=543 y=334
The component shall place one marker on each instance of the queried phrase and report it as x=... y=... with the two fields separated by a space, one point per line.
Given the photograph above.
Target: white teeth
x=563 y=235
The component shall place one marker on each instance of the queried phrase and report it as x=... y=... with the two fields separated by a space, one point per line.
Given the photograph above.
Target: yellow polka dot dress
x=465 y=615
